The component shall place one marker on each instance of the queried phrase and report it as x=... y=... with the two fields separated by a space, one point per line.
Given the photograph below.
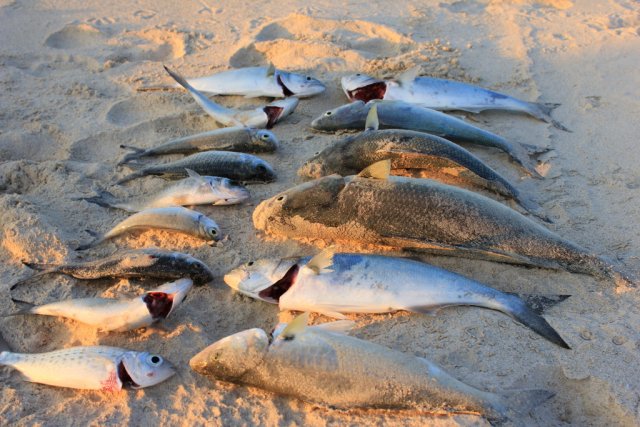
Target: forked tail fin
x=543 y=111
x=42 y=269
x=136 y=154
x=514 y=404
x=105 y=199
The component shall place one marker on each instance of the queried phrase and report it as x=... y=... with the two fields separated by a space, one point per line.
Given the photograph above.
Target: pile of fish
x=364 y=189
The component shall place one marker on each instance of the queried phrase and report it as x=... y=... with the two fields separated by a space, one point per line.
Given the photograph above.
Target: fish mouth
x=274 y=292
x=125 y=378
x=368 y=93
x=273 y=115
x=285 y=90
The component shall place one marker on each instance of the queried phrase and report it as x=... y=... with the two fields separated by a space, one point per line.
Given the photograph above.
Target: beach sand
x=69 y=74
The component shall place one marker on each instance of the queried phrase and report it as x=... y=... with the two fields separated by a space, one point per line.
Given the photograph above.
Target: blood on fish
x=159 y=304
x=275 y=291
x=273 y=114
x=369 y=92
x=285 y=89
x=111 y=383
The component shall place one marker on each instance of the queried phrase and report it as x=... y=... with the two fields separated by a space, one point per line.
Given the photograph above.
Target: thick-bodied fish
x=195 y=190
x=108 y=314
x=337 y=284
x=240 y=139
x=175 y=218
x=330 y=368
x=407 y=150
x=264 y=117
x=133 y=263
x=403 y=115
x=253 y=82
x=91 y=368
x=441 y=94
x=424 y=215
x=238 y=166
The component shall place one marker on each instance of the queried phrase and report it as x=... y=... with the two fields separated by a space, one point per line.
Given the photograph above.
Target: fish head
x=264 y=140
x=348 y=116
x=306 y=200
x=143 y=369
x=209 y=230
x=254 y=277
x=293 y=84
x=198 y=272
x=330 y=160
x=229 y=192
x=277 y=110
x=164 y=299
x=229 y=358
x=261 y=171
x=360 y=87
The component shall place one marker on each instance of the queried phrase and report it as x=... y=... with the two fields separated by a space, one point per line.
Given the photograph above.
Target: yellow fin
x=372 y=118
x=296 y=326
x=378 y=170
x=271 y=70
x=408 y=76
x=321 y=261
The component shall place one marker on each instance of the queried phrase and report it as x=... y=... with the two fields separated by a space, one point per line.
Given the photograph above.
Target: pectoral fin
x=378 y=170
x=372 y=122
x=321 y=261
x=296 y=326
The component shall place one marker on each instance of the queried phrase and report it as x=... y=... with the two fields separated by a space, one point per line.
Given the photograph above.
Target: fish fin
x=42 y=269
x=296 y=326
x=271 y=70
x=429 y=310
x=378 y=170
x=540 y=303
x=372 y=122
x=136 y=154
x=338 y=327
x=334 y=314
x=131 y=176
x=535 y=150
x=4 y=346
x=103 y=198
x=321 y=261
x=90 y=244
x=543 y=111
x=23 y=308
x=155 y=88
x=514 y=404
x=192 y=173
x=407 y=77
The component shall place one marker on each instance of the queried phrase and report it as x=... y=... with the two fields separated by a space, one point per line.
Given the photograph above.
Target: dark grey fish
x=236 y=166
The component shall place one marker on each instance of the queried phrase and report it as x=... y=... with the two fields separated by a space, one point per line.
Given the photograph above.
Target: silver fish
x=108 y=314
x=195 y=190
x=175 y=218
x=224 y=139
x=91 y=368
x=441 y=94
x=403 y=115
x=327 y=367
x=265 y=117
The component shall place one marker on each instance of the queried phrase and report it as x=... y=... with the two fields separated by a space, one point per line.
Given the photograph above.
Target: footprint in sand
x=76 y=36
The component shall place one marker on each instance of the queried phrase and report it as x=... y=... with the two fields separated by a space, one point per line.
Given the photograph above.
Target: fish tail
x=532 y=207
x=45 y=269
x=543 y=111
x=521 y=156
x=530 y=315
x=136 y=154
x=603 y=268
x=104 y=199
x=515 y=404
x=5 y=350
x=155 y=88
x=24 y=308
x=94 y=242
x=131 y=176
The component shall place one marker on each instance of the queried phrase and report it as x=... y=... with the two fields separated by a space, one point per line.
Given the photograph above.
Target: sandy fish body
x=424 y=215
x=91 y=368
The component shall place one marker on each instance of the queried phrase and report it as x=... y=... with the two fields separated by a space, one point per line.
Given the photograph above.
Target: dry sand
x=68 y=78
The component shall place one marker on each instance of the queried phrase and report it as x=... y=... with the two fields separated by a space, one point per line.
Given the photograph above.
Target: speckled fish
x=331 y=368
x=407 y=150
x=121 y=315
x=237 y=166
x=175 y=218
x=240 y=139
x=133 y=263
x=91 y=368
x=403 y=115
x=263 y=117
x=441 y=94
x=423 y=215
x=337 y=284
x=195 y=190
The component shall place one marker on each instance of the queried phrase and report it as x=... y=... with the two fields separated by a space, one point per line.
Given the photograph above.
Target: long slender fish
x=337 y=284
x=91 y=368
x=133 y=263
x=175 y=218
x=237 y=166
x=256 y=81
x=441 y=94
x=240 y=139
x=424 y=215
x=330 y=368
x=264 y=117
x=407 y=150
x=108 y=314
x=195 y=190
x=403 y=115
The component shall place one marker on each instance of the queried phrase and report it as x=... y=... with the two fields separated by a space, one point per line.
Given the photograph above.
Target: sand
x=68 y=78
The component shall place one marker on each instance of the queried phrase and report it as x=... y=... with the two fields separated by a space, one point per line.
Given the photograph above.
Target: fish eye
x=281 y=198
x=261 y=168
x=265 y=136
x=308 y=78
x=250 y=263
x=328 y=113
x=154 y=360
x=213 y=231
x=317 y=152
x=358 y=75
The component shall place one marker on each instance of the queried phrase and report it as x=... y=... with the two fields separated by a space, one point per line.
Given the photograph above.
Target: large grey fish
x=403 y=115
x=195 y=190
x=238 y=166
x=407 y=150
x=254 y=82
x=174 y=218
x=441 y=94
x=421 y=214
x=321 y=365
x=337 y=284
x=91 y=368
x=240 y=139
x=133 y=263
x=109 y=314
x=263 y=117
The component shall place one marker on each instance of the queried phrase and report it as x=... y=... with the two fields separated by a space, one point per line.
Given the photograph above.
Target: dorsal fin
x=407 y=77
x=296 y=326
x=271 y=70
x=372 y=118
x=321 y=261
x=192 y=173
x=378 y=170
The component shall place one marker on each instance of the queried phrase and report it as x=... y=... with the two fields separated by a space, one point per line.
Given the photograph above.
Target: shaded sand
x=68 y=76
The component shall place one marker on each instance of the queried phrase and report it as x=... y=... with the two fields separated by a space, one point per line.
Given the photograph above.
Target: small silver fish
x=91 y=368
x=173 y=218
x=108 y=314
